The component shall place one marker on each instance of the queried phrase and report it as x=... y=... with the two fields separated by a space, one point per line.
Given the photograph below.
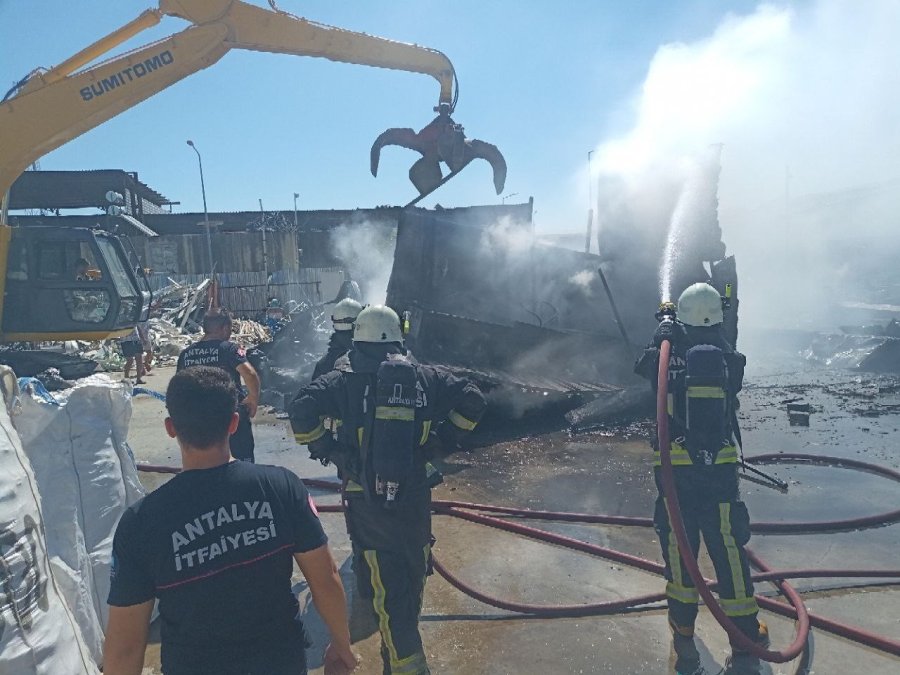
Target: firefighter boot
x=742 y=663
x=688 y=658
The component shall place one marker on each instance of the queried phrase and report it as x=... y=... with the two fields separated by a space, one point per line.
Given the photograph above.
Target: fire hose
x=498 y=517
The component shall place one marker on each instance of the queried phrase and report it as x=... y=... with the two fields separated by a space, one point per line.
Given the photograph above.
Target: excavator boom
x=63 y=102
x=51 y=107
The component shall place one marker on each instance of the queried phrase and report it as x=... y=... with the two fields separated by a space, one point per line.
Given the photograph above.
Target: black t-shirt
x=216 y=547
x=219 y=353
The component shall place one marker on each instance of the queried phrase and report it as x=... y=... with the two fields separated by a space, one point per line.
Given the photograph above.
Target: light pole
x=205 y=212
x=505 y=197
x=296 y=227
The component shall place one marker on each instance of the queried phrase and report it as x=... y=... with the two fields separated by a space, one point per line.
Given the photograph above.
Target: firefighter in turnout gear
x=705 y=375
x=379 y=417
x=342 y=318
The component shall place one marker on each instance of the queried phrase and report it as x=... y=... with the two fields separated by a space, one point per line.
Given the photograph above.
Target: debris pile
x=872 y=353
x=249 y=333
x=181 y=304
x=167 y=340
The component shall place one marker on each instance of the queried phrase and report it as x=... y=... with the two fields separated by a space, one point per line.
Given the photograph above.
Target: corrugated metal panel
x=246 y=293
x=232 y=251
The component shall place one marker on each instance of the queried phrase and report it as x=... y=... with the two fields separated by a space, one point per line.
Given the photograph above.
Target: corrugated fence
x=246 y=293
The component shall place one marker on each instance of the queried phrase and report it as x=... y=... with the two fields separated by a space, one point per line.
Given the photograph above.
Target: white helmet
x=345 y=313
x=700 y=305
x=377 y=323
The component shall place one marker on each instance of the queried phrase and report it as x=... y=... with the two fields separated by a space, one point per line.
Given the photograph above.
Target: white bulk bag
x=76 y=443
x=38 y=634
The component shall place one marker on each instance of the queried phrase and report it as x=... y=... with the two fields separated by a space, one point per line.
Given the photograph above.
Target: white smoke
x=805 y=101
x=367 y=250
x=584 y=280
x=506 y=238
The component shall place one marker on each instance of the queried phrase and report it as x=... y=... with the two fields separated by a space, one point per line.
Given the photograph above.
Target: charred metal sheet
x=532 y=356
x=612 y=406
x=529 y=323
x=489 y=380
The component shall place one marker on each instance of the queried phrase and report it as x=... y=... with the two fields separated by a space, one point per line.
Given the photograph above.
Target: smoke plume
x=367 y=250
x=805 y=102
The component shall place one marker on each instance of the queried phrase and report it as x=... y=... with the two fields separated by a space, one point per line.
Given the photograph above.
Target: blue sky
x=545 y=81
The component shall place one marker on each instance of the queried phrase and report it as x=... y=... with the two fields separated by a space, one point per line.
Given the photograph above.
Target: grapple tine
x=490 y=152
x=406 y=138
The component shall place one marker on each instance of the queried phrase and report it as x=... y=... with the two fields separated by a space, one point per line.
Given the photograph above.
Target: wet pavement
x=607 y=471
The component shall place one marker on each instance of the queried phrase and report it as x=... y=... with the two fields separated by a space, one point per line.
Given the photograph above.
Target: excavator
x=43 y=295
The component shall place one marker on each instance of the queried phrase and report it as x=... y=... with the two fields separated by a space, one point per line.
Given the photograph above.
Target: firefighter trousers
x=393 y=582
x=391 y=558
x=725 y=527
x=241 y=441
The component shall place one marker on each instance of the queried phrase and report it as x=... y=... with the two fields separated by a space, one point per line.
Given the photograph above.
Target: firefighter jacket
x=338 y=344
x=341 y=404
x=707 y=468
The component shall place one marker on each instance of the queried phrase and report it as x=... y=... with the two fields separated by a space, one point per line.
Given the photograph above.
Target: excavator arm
x=52 y=107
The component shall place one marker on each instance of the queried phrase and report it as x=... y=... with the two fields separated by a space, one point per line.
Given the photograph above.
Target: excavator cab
x=70 y=284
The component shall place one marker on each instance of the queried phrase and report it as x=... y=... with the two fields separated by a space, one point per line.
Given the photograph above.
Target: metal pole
x=209 y=253
x=265 y=252
x=296 y=226
x=4 y=209
x=612 y=303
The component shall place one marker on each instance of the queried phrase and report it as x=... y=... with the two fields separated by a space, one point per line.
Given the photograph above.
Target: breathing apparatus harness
x=699 y=398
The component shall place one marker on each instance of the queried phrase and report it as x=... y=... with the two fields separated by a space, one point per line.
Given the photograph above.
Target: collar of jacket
x=365 y=357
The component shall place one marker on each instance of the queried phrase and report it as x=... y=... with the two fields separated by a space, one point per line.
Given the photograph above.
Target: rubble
x=798 y=414
x=167 y=340
x=249 y=333
x=866 y=352
x=180 y=304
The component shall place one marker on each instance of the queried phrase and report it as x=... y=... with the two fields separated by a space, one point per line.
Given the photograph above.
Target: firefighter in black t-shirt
x=216 y=546
x=387 y=413
x=216 y=349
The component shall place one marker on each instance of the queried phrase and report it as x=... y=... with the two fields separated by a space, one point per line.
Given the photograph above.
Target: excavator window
x=68 y=283
x=58 y=260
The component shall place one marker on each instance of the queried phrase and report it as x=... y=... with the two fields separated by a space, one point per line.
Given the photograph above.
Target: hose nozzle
x=666 y=311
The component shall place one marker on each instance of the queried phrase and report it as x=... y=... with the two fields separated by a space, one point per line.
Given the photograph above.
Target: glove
x=446 y=432
x=322 y=449
x=666 y=330
x=433 y=447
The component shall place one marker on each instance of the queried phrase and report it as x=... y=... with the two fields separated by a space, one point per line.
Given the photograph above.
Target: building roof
x=77 y=189
x=131 y=226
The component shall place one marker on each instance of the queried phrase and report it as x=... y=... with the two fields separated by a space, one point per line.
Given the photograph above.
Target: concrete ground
x=607 y=472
